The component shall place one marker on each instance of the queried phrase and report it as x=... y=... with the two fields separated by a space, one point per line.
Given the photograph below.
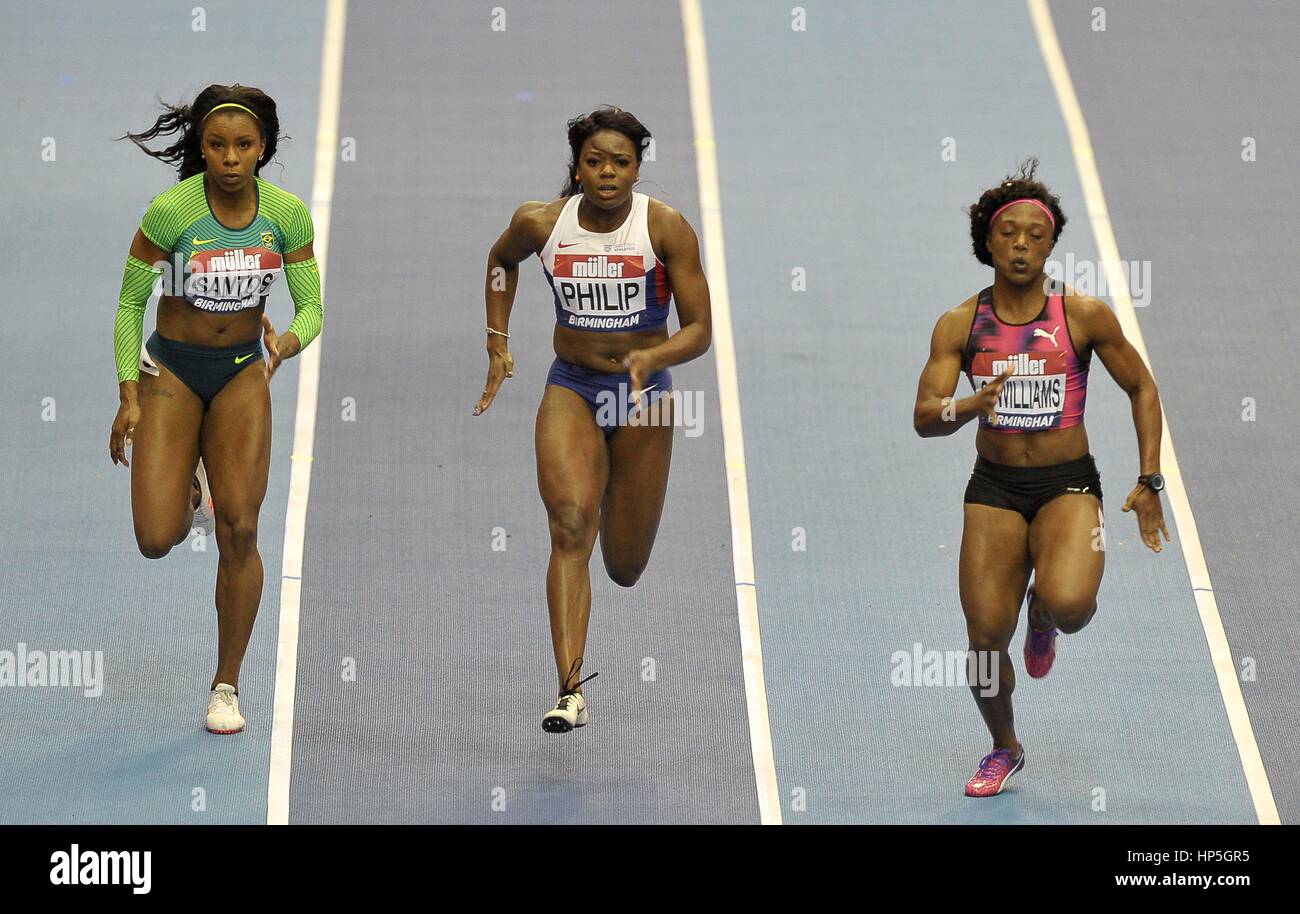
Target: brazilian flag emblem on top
x=268 y=240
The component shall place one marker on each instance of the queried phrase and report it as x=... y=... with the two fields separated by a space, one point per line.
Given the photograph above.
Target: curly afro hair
x=1017 y=186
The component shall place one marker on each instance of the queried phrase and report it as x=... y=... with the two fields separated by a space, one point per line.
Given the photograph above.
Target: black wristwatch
x=1155 y=482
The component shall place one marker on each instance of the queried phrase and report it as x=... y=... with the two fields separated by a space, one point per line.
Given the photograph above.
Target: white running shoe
x=205 y=515
x=223 y=710
x=146 y=363
x=570 y=711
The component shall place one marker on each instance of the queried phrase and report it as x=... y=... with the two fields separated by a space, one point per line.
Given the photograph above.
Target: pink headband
x=1037 y=203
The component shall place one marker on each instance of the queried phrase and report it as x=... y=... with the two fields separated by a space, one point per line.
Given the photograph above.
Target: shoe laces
x=570 y=690
x=1039 y=640
x=226 y=698
x=994 y=764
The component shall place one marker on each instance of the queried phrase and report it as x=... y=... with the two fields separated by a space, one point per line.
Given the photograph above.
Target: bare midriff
x=604 y=351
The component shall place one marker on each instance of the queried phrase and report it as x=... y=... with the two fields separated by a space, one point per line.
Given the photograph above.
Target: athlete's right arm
x=937 y=412
x=128 y=330
x=517 y=243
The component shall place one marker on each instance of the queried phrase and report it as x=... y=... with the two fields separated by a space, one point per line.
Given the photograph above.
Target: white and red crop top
x=606 y=281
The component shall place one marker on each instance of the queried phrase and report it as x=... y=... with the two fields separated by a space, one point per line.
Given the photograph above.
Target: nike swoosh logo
x=201 y=241
x=571 y=244
x=239 y=360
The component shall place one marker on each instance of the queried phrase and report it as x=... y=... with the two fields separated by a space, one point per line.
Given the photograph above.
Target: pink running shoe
x=995 y=768
x=1040 y=647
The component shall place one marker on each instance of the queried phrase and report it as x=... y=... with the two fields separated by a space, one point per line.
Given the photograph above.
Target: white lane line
x=304 y=429
x=1238 y=717
x=751 y=646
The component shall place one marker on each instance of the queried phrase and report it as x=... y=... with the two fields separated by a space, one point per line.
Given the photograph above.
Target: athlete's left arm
x=304 y=286
x=681 y=257
x=1106 y=337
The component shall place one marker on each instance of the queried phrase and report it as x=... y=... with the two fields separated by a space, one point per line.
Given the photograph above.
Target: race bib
x=1033 y=398
x=230 y=280
x=603 y=291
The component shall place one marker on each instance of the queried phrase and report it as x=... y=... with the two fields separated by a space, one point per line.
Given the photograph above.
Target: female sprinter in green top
x=614 y=260
x=218 y=237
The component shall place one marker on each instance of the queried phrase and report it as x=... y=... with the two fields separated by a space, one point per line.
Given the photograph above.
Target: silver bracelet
x=497 y=332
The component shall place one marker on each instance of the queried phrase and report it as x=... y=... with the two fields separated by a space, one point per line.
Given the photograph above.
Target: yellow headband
x=233 y=105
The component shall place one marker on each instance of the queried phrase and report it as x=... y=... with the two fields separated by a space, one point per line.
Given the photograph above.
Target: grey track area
x=1170 y=92
x=455 y=124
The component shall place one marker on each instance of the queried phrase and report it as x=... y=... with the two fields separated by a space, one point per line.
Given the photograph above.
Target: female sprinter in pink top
x=615 y=259
x=1033 y=504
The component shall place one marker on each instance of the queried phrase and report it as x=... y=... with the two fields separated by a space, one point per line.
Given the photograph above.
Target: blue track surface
x=84 y=73
x=830 y=149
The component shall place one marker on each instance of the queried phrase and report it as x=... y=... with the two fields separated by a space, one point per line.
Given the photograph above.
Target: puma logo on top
x=1039 y=331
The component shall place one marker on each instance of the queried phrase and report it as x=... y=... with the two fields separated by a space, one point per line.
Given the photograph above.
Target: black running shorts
x=1027 y=489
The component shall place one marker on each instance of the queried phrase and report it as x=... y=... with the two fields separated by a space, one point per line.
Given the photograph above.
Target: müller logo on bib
x=601 y=284
x=1033 y=397
x=598 y=266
